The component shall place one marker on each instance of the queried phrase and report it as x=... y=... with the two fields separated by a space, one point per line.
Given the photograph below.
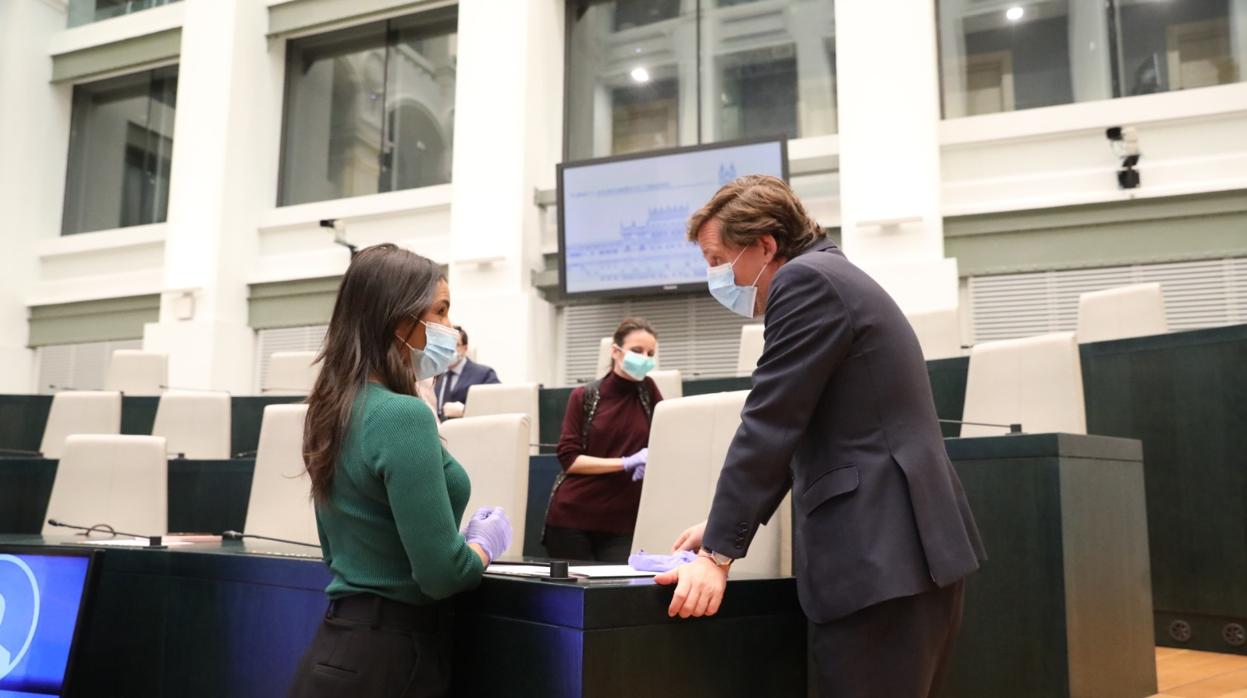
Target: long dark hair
x=384 y=285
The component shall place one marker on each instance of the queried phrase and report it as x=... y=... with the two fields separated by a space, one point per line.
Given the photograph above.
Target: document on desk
x=519 y=570
x=606 y=571
x=584 y=571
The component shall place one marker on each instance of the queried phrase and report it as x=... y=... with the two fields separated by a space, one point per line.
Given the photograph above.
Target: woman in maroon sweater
x=593 y=509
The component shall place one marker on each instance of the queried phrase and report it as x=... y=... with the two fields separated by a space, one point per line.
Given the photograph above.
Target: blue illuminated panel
x=40 y=599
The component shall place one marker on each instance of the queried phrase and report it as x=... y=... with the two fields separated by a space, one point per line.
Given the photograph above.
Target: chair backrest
x=80 y=412
x=506 y=398
x=281 y=493
x=751 y=344
x=195 y=424
x=494 y=450
x=136 y=372
x=670 y=383
x=117 y=480
x=939 y=332
x=291 y=373
x=1035 y=381
x=1118 y=313
x=688 y=442
x=604 y=357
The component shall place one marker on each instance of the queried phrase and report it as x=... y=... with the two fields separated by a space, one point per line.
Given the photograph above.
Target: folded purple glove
x=650 y=562
x=490 y=529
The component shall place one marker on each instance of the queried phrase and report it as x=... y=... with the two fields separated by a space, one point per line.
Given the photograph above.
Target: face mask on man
x=637 y=366
x=439 y=350
x=722 y=282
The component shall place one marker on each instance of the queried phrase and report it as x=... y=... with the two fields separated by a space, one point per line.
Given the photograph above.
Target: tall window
x=87 y=11
x=647 y=74
x=369 y=109
x=120 y=152
x=1018 y=55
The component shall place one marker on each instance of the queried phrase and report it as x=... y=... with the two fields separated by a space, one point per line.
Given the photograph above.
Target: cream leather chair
x=688 y=442
x=494 y=451
x=117 y=480
x=281 y=493
x=604 y=357
x=195 y=424
x=670 y=383
x=1118 y=313
x=939 y=332
x=291 y=373
x=751 y=345
x=1035 y=382
x=80 y=412
x=506 y=398
x=137 y=372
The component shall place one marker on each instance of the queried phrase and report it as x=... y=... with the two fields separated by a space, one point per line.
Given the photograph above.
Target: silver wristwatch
x=720 y=560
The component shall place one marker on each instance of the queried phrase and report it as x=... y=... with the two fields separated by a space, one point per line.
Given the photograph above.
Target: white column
x=889 y=149
x=508 y=136
x=33 y=130
x=216 y=195
x=1090 y=66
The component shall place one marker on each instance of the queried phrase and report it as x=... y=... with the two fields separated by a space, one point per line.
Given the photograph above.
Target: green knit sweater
x=390 y=525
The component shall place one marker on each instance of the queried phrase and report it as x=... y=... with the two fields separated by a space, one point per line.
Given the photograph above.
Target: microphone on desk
x=153 y=541
x=1013 y=428
x=238 y=535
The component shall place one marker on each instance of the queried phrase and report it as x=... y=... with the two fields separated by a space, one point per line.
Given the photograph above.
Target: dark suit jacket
x=472 y=374
x=841 y=412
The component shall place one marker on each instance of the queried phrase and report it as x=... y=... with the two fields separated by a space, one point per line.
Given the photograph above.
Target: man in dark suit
x=451 y=388
x=841 y=413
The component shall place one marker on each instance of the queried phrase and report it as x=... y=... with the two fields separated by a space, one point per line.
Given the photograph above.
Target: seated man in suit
x=452 y=386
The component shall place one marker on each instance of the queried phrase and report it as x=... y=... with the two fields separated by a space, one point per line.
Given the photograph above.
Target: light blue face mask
x=636 y=365
x=723 y=286
x=440 y=344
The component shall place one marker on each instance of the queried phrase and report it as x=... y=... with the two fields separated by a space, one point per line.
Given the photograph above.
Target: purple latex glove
x=652 y=562
x=635 y=464
x=490 y=529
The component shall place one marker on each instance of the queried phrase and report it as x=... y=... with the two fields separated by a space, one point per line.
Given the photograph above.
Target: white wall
x=1192 y=141
x=33 y=130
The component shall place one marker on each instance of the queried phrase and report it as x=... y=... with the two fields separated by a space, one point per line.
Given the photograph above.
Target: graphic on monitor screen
x=40 y=598
x=623 y=221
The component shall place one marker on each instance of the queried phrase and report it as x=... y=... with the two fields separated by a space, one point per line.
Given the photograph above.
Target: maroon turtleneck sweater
x=605 y=503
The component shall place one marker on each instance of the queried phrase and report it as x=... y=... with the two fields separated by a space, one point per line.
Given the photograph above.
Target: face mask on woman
x=637 y=366
x=439 y=350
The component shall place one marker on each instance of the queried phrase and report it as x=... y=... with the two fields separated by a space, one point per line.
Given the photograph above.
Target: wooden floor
x=1191 y=674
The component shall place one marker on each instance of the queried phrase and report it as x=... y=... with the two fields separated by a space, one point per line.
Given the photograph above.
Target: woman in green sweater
x=388 y=496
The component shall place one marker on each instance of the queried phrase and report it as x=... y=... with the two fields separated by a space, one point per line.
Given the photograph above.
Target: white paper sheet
x=519 y=570
x=607 y=571
x=585 y=571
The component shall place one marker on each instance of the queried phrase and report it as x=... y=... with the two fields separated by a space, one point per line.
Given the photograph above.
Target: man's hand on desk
x=699 y=588
x=453 y=410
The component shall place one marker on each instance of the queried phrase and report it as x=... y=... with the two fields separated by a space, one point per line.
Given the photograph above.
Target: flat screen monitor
x=622 y=220
x=42 y=596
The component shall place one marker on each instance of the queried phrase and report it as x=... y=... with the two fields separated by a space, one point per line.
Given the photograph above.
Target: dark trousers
x=896 y=649
x=588 y=546
x=370 y=647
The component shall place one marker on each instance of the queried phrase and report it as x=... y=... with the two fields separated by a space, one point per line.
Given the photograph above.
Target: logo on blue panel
x=21 y=596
